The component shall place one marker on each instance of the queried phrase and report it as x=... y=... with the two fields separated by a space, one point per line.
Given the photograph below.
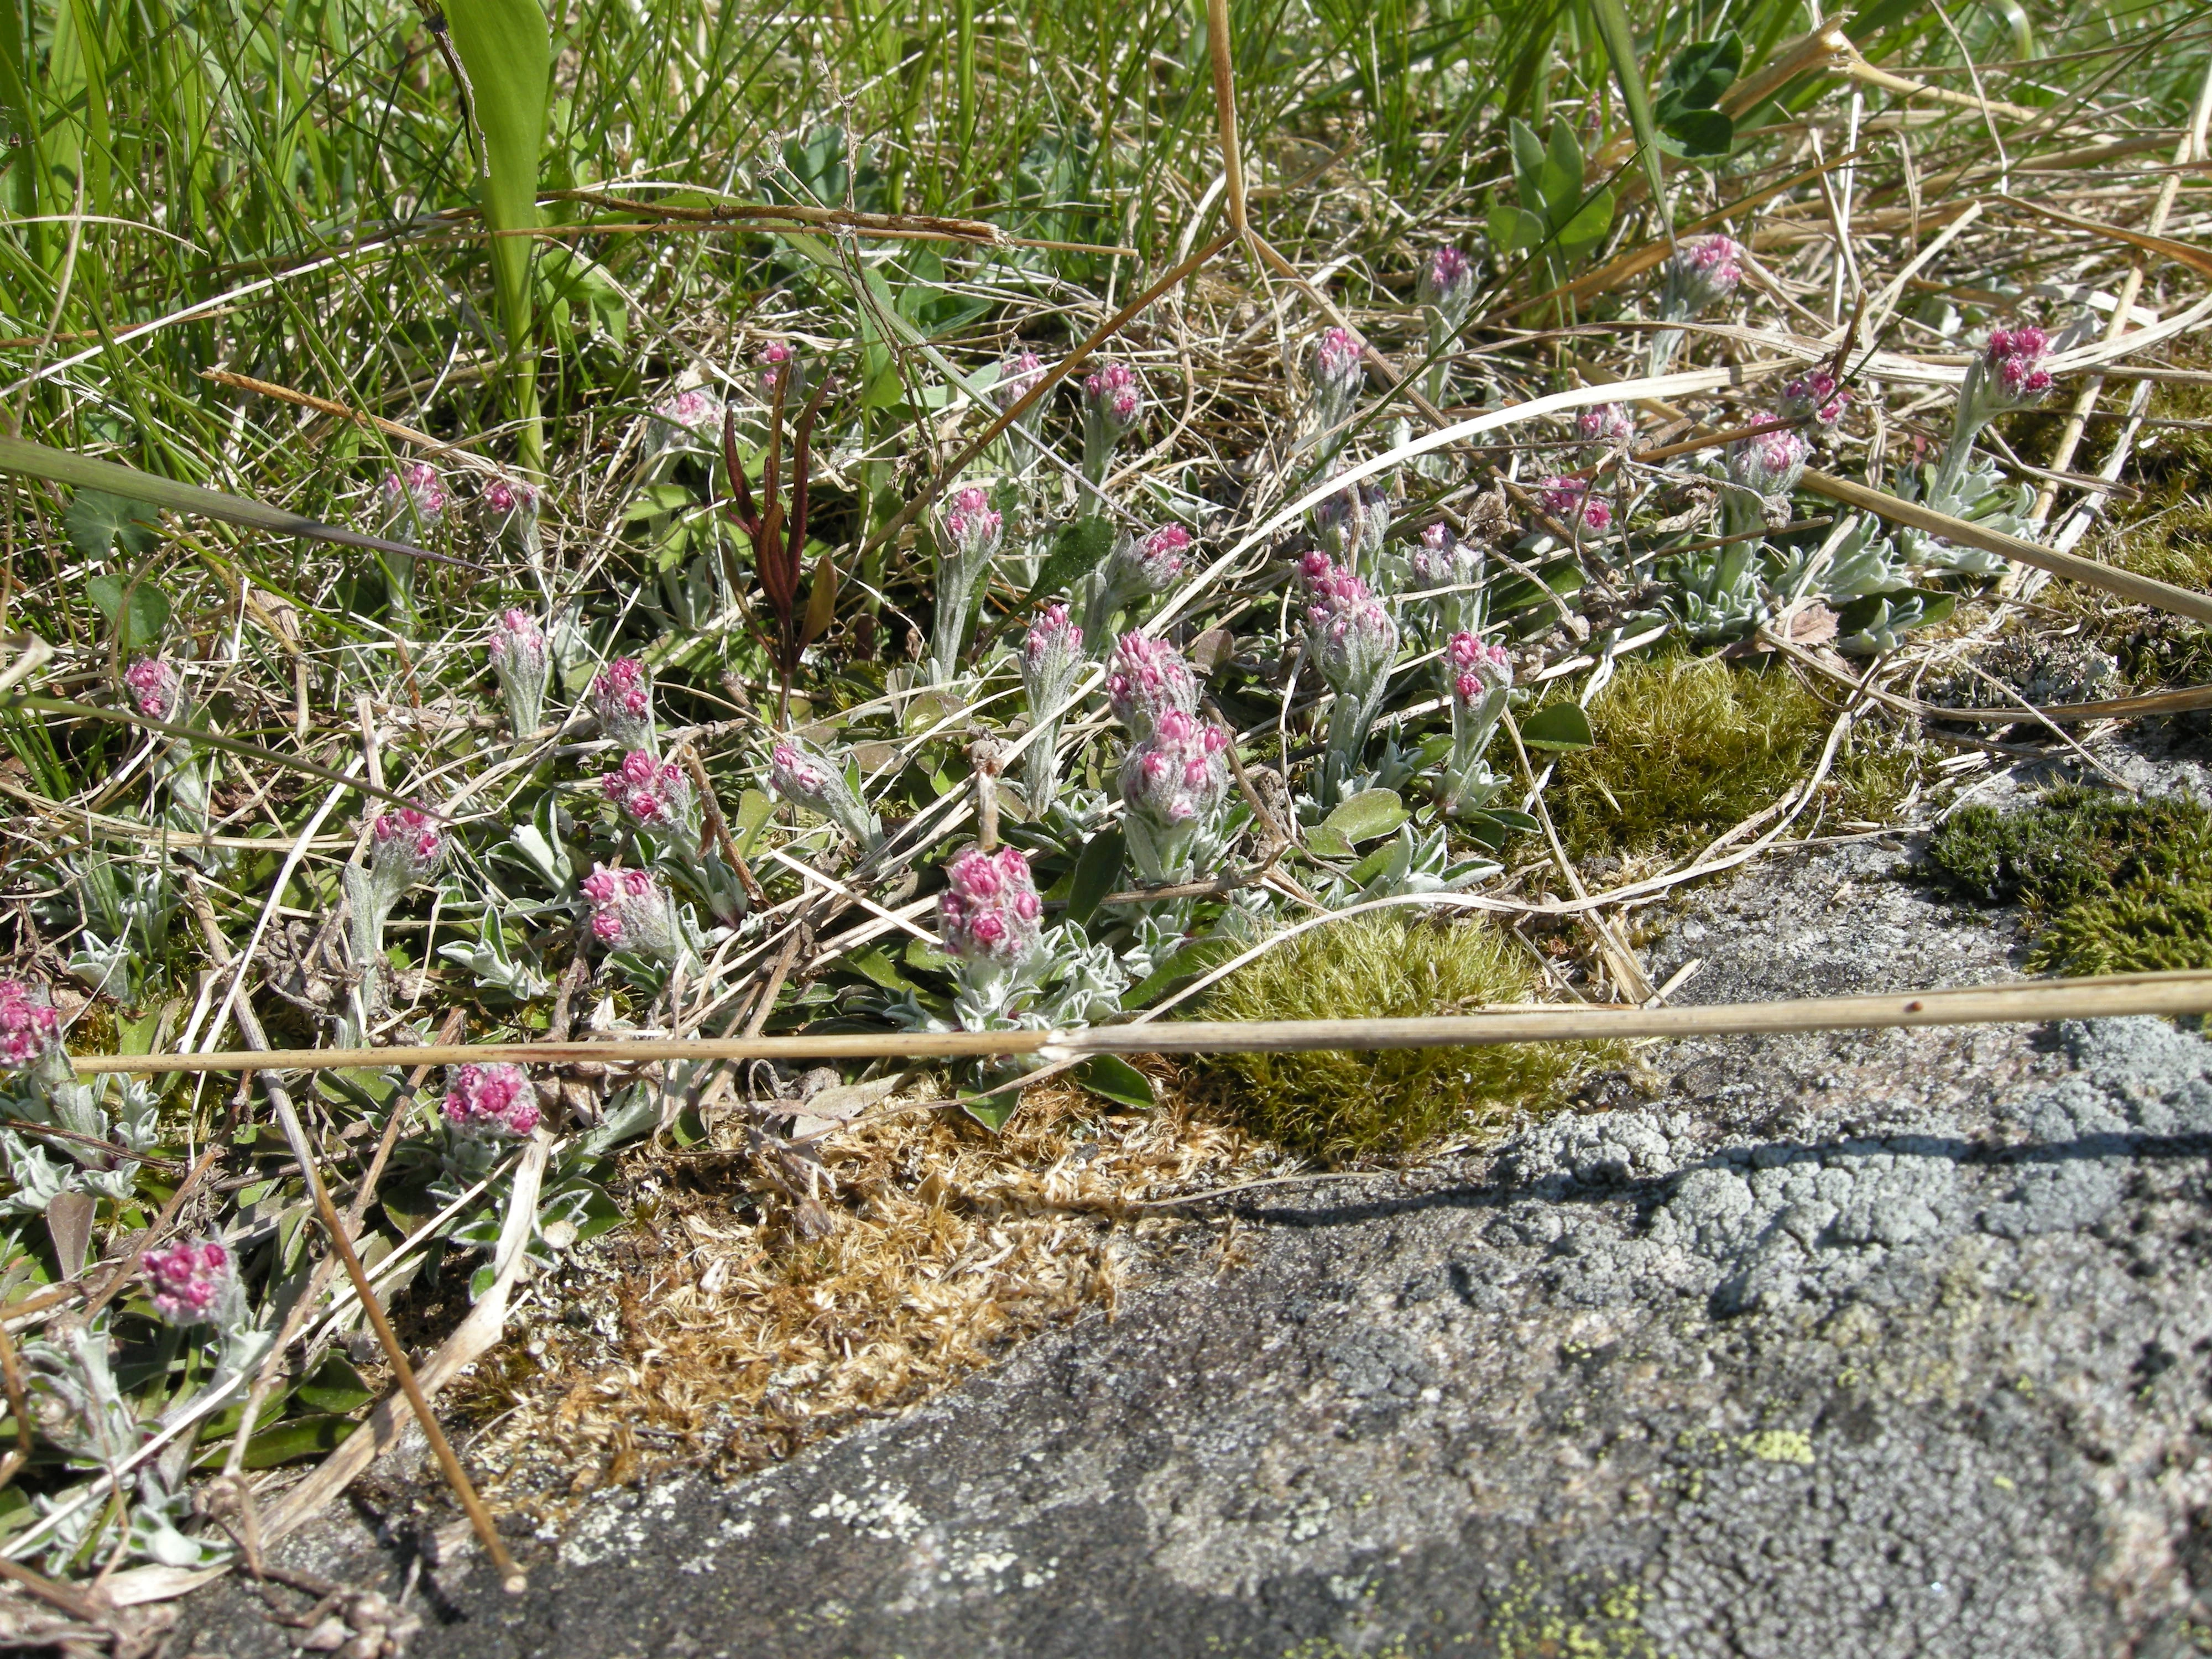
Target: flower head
x=775 y=359
x=1442 y=559
x=1768 y=465
x=691 y=418
x=652 y=794
x=517 y=650
x=30 y=1029
x=415 y=489
x=1352 y=523
x=154 y=686
x=1351 y=636
x=1476 y=670
x=631 y=911
x=1703 y=269
x=1336 y=376
x=1112 y=396
x=506 y=496
x=622 y=702
x=1566 y=499
x=989 y=913
x=1177 y=777
x=189 y=1282
x=1148 y=678
x=2013 y=363
x=1018 y=374
x=406 y=846
x=1814 y=395
x=491 y=1100
x=1447 y=284
x=1051 y=653
x=819 y=783
x=973 y=527
x=1607 y=424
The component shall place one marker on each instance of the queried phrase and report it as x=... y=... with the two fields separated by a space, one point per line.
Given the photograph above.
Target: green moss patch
x=1335 y=1104
x=2110 y=885
x=1689 y=747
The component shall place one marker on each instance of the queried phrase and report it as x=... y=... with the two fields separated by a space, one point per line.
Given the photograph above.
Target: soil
x=1850 y=1344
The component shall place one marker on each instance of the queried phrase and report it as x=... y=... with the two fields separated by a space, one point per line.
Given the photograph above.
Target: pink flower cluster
x=1814 y=395
x=1769 y=463
x=1148 y=678
x=188 y=1282
x=622 y=702
x=517 y=641
x=1053 y=646
x=506 y=495
x=989 y=913
x=1703 y=269
x=1448 y=281
x=1476 y=669
x=629 y=911
x=1112 y=397
x=495 y=1100
x=1336 y=361
x=2015 y=359
x=1567 y=498
x=795 y=774
x=154 y=686
x=695 y=412
x=1017 y=375
x=1176 y=777
x=408 y=845
x=1606 y=424
x=775 y=358
x=653 y=794
x=416 y=485
x=1354 y=640
x=1354 y=521
x=30 y=1029
x=973 y=526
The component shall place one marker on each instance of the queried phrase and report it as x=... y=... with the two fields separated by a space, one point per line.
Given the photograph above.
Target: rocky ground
x=1897 y=1343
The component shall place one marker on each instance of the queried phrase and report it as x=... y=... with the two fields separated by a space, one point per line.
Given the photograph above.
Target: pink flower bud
x=407 y=848
x=819 y=784
x=1703 y=269
x=506 y=495
x=1565 y=498
x=1147 y=678
x=1476 y=669
x=415 y=488
x=1018 y=374
x=622 y=702
x=691 y=418
x=1447 y=282
x=1176 y=778
x=188 y=1282
x=1768 y=465
x=973 y=527
x=631 y=911
x=490 y=1102
x=1609 y=424
x=652 y=794
x=775 y=358
x=1814 y=395
x=155 y=685
x=1351 y=636
x=989 y=914
x=1441 y=559
x=2015 y=359
x=1113 y=398
x=30 y=1029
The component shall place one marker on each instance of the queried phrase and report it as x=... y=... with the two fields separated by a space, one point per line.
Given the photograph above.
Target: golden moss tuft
x=1336 y=1103
x=1687 y=747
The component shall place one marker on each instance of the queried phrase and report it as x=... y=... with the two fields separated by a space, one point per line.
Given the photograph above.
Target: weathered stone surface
x=1841 y=1344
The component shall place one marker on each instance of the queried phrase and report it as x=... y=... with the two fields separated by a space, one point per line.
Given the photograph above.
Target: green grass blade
x=36 y=461
x=1613 y=27
x=507 y=48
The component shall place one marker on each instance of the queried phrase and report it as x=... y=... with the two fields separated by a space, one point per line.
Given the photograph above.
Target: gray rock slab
x=1837 y=1344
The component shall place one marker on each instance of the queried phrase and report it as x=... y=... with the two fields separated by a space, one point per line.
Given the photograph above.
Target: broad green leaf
x=1081 y=548
x=136 y=620
x=97 y=521
x=1612 y=27
x=1698 y=132
x=36 y=461
x=1097 y=873
x=754 y=810
x=566 y=276
x=507 y=48
x=1561 y=177
x=1117 y=1080
x=1559 y=725
x=928 y=957
x=1588 y=225
x=1514 y=228
x=876 y=963
x=1324 y=843
x=299 y=1437
x=1528 y=158
x=993 y=1111
x=1700 y=73
x=335 y=1386
x=1369 y=813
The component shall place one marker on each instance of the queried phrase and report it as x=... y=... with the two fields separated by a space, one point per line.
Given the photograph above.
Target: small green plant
x=1336 y=1104
x=1687 y=747
x=2110 y=885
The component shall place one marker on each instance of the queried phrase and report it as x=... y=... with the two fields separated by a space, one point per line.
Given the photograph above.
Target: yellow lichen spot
x=1780 y=1446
